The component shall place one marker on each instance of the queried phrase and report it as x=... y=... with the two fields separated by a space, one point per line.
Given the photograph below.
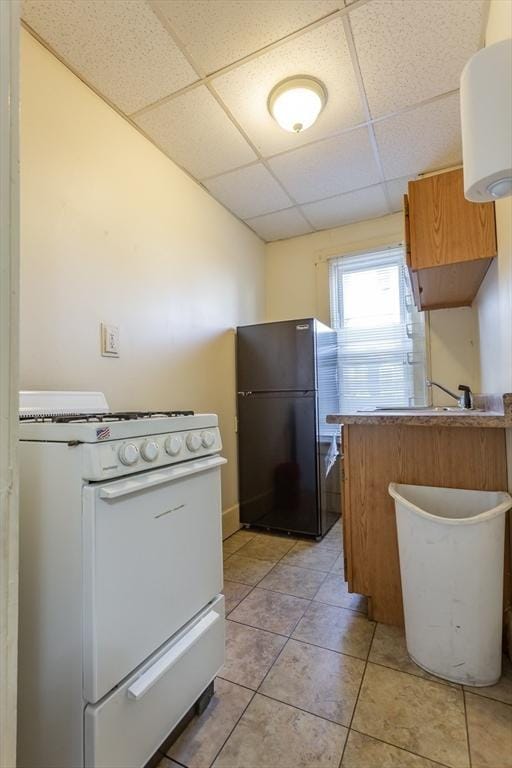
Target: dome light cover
x=296 y=102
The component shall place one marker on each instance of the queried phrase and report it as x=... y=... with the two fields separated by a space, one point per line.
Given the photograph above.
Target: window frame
x=410 y=320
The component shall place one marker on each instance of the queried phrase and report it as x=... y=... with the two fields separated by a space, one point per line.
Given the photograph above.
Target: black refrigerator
x=287 y=382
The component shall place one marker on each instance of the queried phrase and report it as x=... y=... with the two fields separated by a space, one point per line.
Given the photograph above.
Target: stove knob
x=173 y=445
x=128 y=454
x=208 y=439
x=149 y=450
x=193 y=442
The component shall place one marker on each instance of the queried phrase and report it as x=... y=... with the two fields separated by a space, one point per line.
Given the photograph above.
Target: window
x=381 y=335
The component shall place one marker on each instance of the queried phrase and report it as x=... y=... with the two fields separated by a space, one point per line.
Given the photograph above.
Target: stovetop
x=84 y=418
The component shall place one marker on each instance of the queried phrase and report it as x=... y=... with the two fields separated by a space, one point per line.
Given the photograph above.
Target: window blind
x=381 y=335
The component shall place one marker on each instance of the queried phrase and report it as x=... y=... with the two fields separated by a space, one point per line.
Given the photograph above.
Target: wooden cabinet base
x=449 y=457
x=453 y=285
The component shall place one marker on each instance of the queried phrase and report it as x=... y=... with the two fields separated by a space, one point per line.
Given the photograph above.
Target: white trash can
x=451 y=544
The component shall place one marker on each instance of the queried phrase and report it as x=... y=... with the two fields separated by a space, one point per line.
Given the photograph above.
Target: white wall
x=297 y=284
x=113 y=231
x=494 y=300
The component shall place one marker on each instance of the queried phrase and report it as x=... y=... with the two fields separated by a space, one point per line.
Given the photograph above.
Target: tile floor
x=309 y=682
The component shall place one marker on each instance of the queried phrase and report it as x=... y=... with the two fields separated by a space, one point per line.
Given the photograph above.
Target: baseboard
x=230 y=521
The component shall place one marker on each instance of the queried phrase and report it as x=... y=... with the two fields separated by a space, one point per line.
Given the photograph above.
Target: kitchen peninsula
x=451 y=448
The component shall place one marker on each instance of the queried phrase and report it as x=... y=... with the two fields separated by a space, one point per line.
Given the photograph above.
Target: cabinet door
x=444 y=227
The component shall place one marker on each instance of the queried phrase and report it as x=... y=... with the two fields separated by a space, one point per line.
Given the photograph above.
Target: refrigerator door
x=278 y=461
x=274 y=357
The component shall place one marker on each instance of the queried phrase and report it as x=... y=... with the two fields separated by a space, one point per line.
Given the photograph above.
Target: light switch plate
x=109 y=340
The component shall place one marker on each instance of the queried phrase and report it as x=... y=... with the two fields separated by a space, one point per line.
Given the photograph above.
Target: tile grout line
x=272 y=632
x=305 y=642
x=288 y=638
x=358 y=694
x=352 y=610
x=272 y=666
x=437 y=681
x=301 y=709
x=404 y=749
x=234 y=726
x=366 y=662
x=322 y=717
x=245 y=687
x=485 y=696
x=467 y=726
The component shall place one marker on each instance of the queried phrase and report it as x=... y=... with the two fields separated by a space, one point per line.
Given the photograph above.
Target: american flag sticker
x=103 y=433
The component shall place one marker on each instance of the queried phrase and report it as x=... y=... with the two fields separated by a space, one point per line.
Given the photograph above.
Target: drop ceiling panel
x=328 y=168
x=396 y=190
x=249 y=192
x=138 y=53
x=344 y=209
x=117 y=46
x=276 y=226
x=411 y=51
x=322 y=53
x=196 y=132
x=426 y=138
x=217 y=34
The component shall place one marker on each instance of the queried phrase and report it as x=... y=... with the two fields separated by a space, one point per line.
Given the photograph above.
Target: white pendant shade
x=296 y=103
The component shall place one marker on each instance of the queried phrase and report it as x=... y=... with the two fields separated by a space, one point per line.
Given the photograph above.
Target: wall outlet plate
x=109 y=340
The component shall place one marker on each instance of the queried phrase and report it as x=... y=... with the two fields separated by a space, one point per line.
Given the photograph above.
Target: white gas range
x=121 y=616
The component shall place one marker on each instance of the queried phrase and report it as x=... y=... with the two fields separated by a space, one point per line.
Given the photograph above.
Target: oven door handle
x=148 y=679
x=159 y=477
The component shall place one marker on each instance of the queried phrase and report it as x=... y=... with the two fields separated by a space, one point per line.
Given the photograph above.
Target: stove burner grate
x=104 y=417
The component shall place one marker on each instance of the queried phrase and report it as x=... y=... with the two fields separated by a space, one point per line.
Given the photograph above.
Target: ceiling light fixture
x=296 y=102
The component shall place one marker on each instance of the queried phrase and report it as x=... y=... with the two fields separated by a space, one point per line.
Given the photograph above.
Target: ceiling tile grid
x=280 y=225
x=366 y=203
x=196 y=132
x=322 y=53
x=249 y=192
x=117 y=46
x=412 y=50
x=424 y=139
x=220 y=33
x=195 y=78
x=396 y=190
x=327 y=168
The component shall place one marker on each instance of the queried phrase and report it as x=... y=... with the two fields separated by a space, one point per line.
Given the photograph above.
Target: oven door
x=152 y=560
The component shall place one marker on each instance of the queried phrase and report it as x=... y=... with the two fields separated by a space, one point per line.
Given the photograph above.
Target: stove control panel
x=117 y=458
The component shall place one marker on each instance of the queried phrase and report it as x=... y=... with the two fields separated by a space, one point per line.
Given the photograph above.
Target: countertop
x=493 y=411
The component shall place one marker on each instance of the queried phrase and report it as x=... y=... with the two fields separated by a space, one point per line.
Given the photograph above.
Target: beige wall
x=297 y=284
x=494 y=299
x=114 y=231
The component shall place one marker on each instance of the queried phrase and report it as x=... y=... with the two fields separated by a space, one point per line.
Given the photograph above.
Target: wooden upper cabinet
x=450 y=242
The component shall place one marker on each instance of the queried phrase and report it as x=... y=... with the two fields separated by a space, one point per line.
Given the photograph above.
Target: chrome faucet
x=464 y=401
